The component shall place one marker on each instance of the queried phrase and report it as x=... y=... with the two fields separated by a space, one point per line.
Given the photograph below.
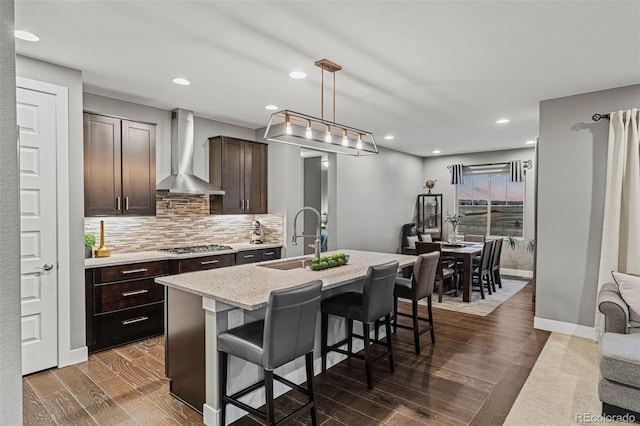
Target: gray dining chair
x=287 y=333
x=418 y=287
x=495 y=262
x=475 y=238
x=482 y=273
x=444 y=272
x=375 y=302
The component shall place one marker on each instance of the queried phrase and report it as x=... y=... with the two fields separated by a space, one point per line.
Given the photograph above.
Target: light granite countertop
x=248 y=286
x=150 y=256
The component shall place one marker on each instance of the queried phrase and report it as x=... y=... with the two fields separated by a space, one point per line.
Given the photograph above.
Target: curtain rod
x=527 y=164
x=598 y=117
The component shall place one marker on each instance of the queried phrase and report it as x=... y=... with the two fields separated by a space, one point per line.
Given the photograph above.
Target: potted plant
x=89 y=243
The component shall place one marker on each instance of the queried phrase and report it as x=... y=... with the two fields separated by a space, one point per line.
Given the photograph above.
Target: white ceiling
x=437 y=75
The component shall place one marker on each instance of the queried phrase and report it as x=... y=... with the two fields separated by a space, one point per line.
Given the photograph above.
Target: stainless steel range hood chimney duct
x=182 y=180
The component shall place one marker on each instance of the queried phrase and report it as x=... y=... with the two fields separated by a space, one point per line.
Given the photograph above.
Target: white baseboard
x=74 y=356
x=564 y=328
x=517 y=272
x=210 y=416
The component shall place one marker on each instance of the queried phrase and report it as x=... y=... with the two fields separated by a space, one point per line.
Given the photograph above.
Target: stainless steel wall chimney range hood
x=182 y=180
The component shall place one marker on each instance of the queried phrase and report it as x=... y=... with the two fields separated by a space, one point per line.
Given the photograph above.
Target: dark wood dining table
x=466 y=255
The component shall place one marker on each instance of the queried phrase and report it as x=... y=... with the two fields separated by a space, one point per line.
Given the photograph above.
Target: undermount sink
x=287 y=264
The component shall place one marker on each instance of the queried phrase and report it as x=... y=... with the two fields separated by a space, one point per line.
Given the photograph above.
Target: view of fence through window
x=491 y=201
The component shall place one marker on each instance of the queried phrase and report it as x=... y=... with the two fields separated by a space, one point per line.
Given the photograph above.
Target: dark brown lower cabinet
x=124 y=303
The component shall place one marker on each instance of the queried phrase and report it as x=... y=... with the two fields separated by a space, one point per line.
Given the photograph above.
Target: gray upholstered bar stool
x=418 y=287
x=375 y=302
x=287 y=333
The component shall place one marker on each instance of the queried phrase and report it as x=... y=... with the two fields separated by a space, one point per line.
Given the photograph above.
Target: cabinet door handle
x=241 y=204
x=269 y=253
x=134 y=320
x=248 y=256
x=209 y=262
x=126 y=203
x=118 y=203
x=247 y=204
x=134 y=271
x=134 y=293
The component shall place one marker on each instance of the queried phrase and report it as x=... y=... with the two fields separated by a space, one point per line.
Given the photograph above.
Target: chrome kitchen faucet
x=294 y=239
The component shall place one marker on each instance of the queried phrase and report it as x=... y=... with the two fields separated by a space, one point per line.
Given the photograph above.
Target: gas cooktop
x=197 y=249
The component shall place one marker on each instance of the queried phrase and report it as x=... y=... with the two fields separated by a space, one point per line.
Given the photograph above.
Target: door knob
x=45 y=267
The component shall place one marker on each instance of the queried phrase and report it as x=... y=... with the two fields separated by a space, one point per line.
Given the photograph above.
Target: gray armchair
x=619 y=386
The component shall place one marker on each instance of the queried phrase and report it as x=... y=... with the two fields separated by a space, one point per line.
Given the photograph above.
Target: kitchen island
x=234 y=295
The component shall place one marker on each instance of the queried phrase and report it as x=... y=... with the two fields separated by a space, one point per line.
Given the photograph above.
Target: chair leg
x=481 y=286
x=387 y=323
x=440 y=289
x=309 y=362
x=222 y=369
x=416 y=328
x=395 y=314
x=492 y=280
x=376 y=330
x=496 y=274
x=486 y=277
x=350 y=337
x=430 y=312
x=323 y=337
x=268 y=392
x=367 y=349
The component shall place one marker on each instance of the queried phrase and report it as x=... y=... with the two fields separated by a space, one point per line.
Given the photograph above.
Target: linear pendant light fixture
x=299 y=129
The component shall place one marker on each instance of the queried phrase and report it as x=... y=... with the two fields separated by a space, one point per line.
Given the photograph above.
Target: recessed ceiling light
x=298 y=74
x=436 y=151
x=389 y=137
x=271 y=107
x=25 y=35
x=181 y=81
x=502 y=121
x=531 y=142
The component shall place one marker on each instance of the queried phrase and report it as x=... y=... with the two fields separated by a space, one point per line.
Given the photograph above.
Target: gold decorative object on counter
x=102 y=251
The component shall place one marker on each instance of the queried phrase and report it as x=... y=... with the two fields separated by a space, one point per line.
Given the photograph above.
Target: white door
x=38 y=237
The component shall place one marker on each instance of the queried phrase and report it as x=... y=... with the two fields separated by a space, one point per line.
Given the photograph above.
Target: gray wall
x=72 y=79
x=285 y=187
x=312 y=198
x=376 y=195
x=435 y=168
x=571 y=185
x=10 y=353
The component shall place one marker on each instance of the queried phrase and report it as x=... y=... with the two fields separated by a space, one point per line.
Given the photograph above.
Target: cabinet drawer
x=247 y=256
x=206 y=262
x=269 y=254
x=131 y=271
x=129 y=324
x=111 y=297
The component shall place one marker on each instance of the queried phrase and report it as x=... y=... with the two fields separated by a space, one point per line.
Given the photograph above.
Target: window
x=491 y=205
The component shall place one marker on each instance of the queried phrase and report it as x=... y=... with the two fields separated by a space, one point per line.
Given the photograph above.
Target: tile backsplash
x=181 y=221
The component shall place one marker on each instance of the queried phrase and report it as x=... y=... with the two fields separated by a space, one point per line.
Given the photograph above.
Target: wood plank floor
x=472 y=375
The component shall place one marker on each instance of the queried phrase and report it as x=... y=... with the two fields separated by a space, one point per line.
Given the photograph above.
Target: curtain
x=621 y=226
x=516 y=171
x=456 y=174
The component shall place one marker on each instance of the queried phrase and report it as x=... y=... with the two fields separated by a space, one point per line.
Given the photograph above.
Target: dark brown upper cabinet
x=239 y=167
x=119 y=167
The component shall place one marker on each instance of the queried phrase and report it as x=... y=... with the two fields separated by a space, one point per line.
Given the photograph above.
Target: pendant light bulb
x=359 y=144
x=308 y=134
x=288 y=129
x=327 y=136
x=345 y=139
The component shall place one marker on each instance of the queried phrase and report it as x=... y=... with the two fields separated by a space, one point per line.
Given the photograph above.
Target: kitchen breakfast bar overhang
x=201 y=305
